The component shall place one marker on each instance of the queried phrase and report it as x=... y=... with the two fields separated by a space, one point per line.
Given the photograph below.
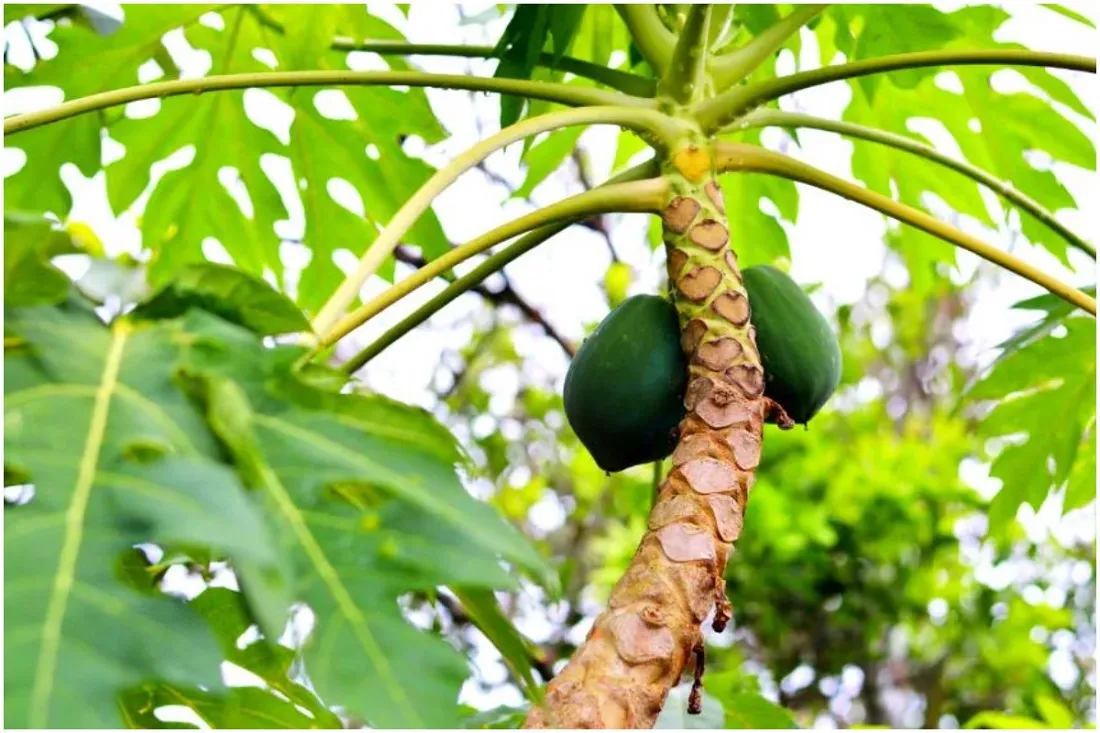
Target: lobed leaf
x=118 y=456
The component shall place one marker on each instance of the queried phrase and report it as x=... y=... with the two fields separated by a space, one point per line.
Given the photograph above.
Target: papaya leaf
x=925 y=28
x=286 y=703
x=86 y=63
x=22 y=11
x=230 y=293
x=118 y=456
x=366 y=514
x=365 y=152
x=30 y=241
x=192 y=203
x=1044 y=387
x=524 y=40
x=599 y=35
x=1021 y=121
x=240 y=708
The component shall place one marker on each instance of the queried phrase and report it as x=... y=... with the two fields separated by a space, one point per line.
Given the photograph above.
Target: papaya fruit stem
x=750 y=158
x=717 y=112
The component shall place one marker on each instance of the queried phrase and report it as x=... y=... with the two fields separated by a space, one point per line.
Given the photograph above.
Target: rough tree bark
x=640 y=646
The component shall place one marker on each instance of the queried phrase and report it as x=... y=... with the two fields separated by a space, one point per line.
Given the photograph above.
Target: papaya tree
x=170 y=418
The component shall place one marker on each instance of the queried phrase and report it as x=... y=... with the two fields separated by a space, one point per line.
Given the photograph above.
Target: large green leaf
x=1043 y=387
x=285 y=703
x=366 y=512
x=364 y=152
x=200 y=201
x=118 y=456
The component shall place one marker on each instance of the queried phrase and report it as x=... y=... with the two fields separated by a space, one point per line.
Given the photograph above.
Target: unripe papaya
x=624 y=391
x=798 y=349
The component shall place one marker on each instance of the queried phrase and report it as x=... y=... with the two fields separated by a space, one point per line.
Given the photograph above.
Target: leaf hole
x=234 y=185
x=333 y=104
x=266 y=57
x=214 y=251
x=268 y=112
x=213 y=20
x=346 y=195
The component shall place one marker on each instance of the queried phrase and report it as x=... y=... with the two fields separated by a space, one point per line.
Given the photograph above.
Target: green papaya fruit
x=798 y=349
x=624 y=391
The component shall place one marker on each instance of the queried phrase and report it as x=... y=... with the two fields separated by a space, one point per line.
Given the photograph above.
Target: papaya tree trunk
x=640 y=646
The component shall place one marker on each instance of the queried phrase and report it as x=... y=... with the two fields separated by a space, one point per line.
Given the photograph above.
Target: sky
x=834 y=242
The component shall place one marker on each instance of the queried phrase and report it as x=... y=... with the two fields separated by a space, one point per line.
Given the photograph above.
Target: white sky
x=834 y=242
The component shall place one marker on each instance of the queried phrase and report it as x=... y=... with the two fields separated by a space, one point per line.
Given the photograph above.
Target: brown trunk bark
x=639 y=647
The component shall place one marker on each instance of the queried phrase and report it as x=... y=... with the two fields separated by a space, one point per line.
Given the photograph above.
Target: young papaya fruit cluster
x=624 y=391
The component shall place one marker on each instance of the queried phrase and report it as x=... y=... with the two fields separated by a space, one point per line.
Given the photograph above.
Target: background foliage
x=883 y=578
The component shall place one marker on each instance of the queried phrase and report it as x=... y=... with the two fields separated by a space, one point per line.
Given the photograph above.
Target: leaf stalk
x=717 y=112
x=731 y=68
x=751 y=158
x=472 y=279
x=653 y=39
x=638 y=196
x=654 y=126
x=763 y=117
x=573 y=96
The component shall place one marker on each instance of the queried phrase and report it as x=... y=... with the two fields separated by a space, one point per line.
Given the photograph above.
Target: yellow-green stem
x=639 y=196
x=561 y=93
x=730 y=68
x=740 y=157
x=649 y=33
x=719 y=111
x=686 y=76
x=470 y=280
x=651 y=124
x=772 y=117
